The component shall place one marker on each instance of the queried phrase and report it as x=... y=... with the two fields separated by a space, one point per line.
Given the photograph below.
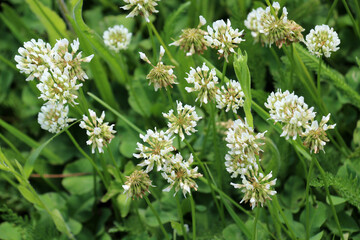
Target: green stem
x=157 y=217
x=129 y=123
x=307 y=224
x=163 y=44
x=223 y=81
x=318 y=78
x=322 y=172
x=76 y=144
x=331 y=10
x=106 y=174
x=171 y=102
x=254 y=236
x=181 y=216
x=277 y=205
x=193 y=215
x=355 y=25
x=216 y=147
x=152 y=41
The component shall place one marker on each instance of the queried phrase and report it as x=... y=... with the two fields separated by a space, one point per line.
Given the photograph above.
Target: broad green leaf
x=9 y=231
x=61 y=224
x=124 y=204
x=128 y=144
x=232 y=232
x=54 y=25
x=293 y=194
x=317 y=236
x=28 y=195
x=240 y=224
x=114 y=189
x=177 y=227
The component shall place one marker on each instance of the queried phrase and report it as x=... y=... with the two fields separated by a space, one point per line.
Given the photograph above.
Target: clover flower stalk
x=53 y=117
x=184 y=121
x=117 y=38
x=180 y=175
x=256 y=186
x=100 y=133
x=223 y=37
x=231 y=97
x=158 y=149
x=141 y=7
x=270 y=29
x=204 y=81
x=192 y=39
x=315 y=135
x=322 y=40
x=292 y=111
x=160 y=75
x=137 y=184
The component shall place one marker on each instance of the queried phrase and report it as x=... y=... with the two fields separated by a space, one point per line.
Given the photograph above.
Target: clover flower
x=117 y=38
x=100 y=133
x=291 y=110
x=160 y=75
x=62 y=58
x=137 y=184
x=185 y=120
x=158 y=149
x=256 y=187
x=315 y=135
x=238 y=164
x=53 y=117
x=322 y=41
x=242 y=140
x=179 y=174
x=230 y=97
x=58 y=86
x=223 y=37
x=270 y=29
x=34 y=58
x=141 y=7
x=204 y=83
x=192 y=39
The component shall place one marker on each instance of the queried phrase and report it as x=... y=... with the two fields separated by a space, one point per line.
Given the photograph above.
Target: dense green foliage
x=49 y=188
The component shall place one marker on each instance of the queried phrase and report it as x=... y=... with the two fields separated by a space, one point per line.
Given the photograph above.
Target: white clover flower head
x=158 y=149
x=160 y=75
x=238 y=164
x=270 y=29
x=256 y=187
x=315 y=135
x=242 y=140
x=204 y=81
x=223 y=37
x=34 y=58
x=292 y=111
x=192 y=39
x=141 y=7
x=53 y=117
x=137 y=184
x=100 y=133
x=180 y=175
x=62 y=58
x=322 y=41
x=184 y=121
x=59 y=86
x=117 y=38
x=230 y=97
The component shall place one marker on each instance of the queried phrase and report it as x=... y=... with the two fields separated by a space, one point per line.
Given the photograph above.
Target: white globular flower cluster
x=204 y=81
x=242 y=160
x=100 y=132
x=53 y=117
x=160 y=75
x=117 y=38
x=269 y=28
x=57 y=69
x=180 y=175
x=322 y=41
x=291 y=110
x=315 y=135
x=230 y=97
x=137 y=184
x=256 y=187
x=184 y=121
x=158 y=149
x=298 y=119
x=244 y=146
x=223 y=37
x=141 y=7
